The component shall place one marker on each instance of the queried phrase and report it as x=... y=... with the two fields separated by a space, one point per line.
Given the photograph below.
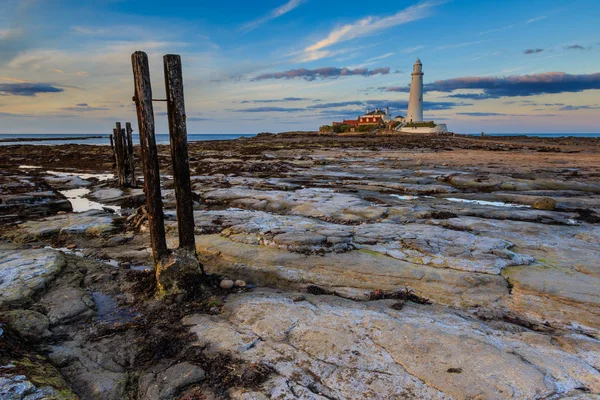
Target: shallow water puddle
x=109 y=311
x=100 y=177
x=487 y=203
x=456 y=199
x=81 y=204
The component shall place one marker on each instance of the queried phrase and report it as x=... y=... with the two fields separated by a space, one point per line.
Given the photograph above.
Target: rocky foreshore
x=425 y=267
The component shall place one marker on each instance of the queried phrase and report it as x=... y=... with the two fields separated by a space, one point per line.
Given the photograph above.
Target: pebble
x=239 y=283
x=296 y=299
x=71 y=246
x=114 y=273
x=227 y=284
x=544 y=203
x=61 y=213
x=125 y=265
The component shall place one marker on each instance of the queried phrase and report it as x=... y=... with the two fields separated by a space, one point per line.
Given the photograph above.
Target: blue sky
x=276 y=65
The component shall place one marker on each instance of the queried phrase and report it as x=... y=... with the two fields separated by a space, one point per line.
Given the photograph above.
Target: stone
x=18 y=387
x=227 y=284
x=239 y=283
x=28 y=324
x=544 y=203
x=362 y=271
x=368 y=350
x=90 y=223
x=67 y=304
x=166 y=384
x=24 y=272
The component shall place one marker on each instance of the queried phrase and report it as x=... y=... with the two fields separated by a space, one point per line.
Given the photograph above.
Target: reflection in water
x=81 y=204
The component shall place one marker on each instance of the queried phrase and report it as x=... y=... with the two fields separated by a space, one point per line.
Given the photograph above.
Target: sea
x=98 y=139
x=163 y=138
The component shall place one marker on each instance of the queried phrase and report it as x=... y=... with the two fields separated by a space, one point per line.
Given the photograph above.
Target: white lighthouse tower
x=415 y=102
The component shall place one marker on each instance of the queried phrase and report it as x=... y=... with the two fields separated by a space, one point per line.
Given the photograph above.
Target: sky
x=504 y=66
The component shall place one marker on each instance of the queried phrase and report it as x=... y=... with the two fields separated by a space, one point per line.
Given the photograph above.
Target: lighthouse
x=415 y=102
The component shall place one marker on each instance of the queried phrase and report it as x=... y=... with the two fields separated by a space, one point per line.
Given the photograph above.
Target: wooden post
x=179 y=151
x=112 y=148
x=125 y=158
x=130 y=154
x=120 y=154
x=117 y=135
x=145 y=114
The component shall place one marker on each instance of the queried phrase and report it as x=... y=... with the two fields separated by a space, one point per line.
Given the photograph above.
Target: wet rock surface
x=399 y=267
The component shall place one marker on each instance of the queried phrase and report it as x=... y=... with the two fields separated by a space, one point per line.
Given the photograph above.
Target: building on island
x=376 y=119
x=412 y=123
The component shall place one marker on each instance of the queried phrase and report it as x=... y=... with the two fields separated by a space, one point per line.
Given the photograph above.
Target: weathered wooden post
x=145 y=114
x=118 y=159
x=179 y=151
x=125 y=158
x=112 y=148
x=121 y=151
x=131 y=160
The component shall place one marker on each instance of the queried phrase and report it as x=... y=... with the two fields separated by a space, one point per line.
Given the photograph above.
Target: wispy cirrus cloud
x=575 y=108
x=458 y=45
x=496 y=114
x=504 y=28
x=284 y=100
x=520 y=85
x=368 y=26
x=322 y=73
x=536 y=19
x=337 y=105
x=575 y=47
x=413 y=49
x=28 y=89
x=270 y=109
x=275 y=13
x=83 y=107
x=533 y=51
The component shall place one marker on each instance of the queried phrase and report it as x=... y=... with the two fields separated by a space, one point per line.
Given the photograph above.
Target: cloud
x=380 y=57
x=575 y=47
x=284 y=100
x=512 y=86
x=370 y=25
x=458 y=45
x=335 y=105
x=270 y=109
x=533 y=51
x=275 y=13
x=575 y=108
x=28 y=89
x=536 y=19
x=472 y=96
x=505 y=28
x=495 y=114
x=323 y=73
x=483 y=114
x=83 y=107
x=413 y=49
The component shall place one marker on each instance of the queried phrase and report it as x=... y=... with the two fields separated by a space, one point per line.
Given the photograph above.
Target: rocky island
x=381 y=267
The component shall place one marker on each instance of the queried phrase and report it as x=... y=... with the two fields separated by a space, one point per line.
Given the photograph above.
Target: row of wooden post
x=121 y=142
x=179 y=153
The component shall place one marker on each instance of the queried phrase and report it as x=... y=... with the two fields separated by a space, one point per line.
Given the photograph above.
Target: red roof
x=350 y=122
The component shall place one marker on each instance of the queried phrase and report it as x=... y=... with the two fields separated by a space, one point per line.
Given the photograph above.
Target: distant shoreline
x=22 y=139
